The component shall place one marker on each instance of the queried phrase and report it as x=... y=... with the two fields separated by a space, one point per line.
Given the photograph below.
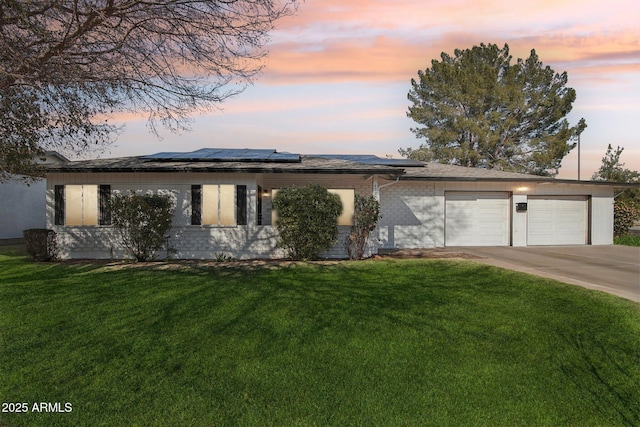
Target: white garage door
x=561 y=220
x=477 y=219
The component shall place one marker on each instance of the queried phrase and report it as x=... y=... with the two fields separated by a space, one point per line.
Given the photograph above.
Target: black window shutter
x=196 y=205
x=58 y=204
x=241 y=204
x=105 y=210
x=259 y=206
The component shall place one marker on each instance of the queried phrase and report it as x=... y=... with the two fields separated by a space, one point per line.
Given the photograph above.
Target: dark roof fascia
x=236 y=170
x=273 y=170
x=186 y=159
x=336 y=171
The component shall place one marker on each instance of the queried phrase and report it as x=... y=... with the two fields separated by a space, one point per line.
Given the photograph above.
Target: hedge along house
x=223 y=203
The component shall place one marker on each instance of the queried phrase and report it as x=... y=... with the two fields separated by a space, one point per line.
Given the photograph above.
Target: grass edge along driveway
x=411 y=342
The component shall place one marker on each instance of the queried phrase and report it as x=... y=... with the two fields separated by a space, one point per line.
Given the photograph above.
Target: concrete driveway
x=612 y=269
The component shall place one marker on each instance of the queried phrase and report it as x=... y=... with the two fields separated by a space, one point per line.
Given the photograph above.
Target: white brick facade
x=194 y=241
x=413 y=207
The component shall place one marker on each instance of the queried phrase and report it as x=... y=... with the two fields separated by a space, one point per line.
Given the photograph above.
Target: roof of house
x=439 y=171
x=227 y=160
x=445 y=172
x=271 y=161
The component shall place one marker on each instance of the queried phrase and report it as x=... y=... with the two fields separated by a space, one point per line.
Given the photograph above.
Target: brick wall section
x=411 y=216
x=194 y=241
x=413 y=213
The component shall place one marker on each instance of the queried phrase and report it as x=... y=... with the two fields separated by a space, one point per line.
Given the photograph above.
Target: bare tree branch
x=65 y=65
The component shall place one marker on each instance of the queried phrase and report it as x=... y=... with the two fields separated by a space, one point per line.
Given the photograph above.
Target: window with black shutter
x=259 y=206
x=196 y=205
x=104 y=198
x=59 y=204
x=241 y=204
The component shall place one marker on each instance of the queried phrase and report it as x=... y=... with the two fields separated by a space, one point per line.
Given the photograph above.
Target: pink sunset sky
x=338 y=73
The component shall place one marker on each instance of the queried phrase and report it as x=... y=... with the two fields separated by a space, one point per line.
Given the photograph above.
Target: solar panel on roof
x=241 y=154
x=285 y=157
x=227 y=155
x=370 y=159
x=164 y=155
x=198 y=154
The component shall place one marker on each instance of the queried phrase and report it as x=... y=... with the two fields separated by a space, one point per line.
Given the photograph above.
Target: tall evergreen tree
x=477 y=109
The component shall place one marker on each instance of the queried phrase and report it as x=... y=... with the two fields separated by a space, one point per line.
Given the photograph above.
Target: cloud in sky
x=339 y=70
x=379 y=40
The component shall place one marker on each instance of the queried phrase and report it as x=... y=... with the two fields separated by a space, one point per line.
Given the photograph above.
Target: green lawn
x=387 y=343
x=627 y=240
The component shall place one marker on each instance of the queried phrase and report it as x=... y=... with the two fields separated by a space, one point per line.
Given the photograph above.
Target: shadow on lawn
x=269 y=295
x=602 y=381
x=236 y=335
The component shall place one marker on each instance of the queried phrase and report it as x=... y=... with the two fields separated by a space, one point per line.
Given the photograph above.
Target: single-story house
x=223 y=202
x=23 y=205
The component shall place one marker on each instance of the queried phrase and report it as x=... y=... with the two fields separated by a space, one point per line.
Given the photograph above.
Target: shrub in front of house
x=365 y=218
x=41 y=244
x=625 y=214
x=143 y=221
x=307 y=220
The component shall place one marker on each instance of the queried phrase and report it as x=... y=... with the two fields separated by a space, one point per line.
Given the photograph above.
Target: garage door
x=477 y=219
x=557 y=220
